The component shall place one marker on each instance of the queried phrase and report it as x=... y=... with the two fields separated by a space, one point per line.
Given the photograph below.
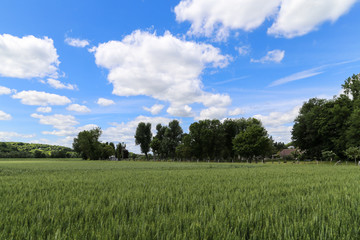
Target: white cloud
x=70 y=131
x=297 y=76
x=27 y=57
x=271 y=56
x=299 y=17
x=105 y=102
x=58 y=121
x=163 y=67
x=279 y=118
x=59 y=85
x=279 y=124
x=280 y=133
x=155 y=109
x=5 y=116
x=76 y=42
x=209 y=17
x=11 y=136
x=212 y=113
x=243 y=50
x=291 y=17
x=78 y=108
x=180 y=111
x=236 y=112
x=124 y=132
x=5 y=90
x=41 y=98
x=44 y=109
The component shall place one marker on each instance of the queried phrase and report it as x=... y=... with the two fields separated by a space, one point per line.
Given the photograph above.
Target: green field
x=67 y=199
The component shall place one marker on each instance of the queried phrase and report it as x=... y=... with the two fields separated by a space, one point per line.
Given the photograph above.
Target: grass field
x=57 y=199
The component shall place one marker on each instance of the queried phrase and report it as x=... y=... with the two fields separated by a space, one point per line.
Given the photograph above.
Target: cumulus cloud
x=76 y=42
x=44 y=109
x=236 y=112
x=271 y=56
x=180 y=111
x=5 y=90
x=105 y=102
x=65 y=126
x=243 y=50
x=58 y=121
x=163 y=67
x=5 y=116
x=78 y=108
x=11 y=136
x=124 y=132
x=212 y=113
x=27 y=57
x=59 y=85
x=41 y=98
x=219 y=17
x=291 y=17
x=155 y=109
x=279 y=124
x=299 y=17
x=279 y=118
x=70 y=132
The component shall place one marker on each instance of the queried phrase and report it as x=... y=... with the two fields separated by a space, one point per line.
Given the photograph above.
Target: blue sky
x=68 y=66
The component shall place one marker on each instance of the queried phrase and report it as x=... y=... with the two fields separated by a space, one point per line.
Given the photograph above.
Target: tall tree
x=87 y=144
x=173 y=135
x=143 y=137
x=252 y=142
x=353 y=153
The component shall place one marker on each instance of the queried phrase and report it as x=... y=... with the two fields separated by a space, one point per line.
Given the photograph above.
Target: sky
x=68 y=66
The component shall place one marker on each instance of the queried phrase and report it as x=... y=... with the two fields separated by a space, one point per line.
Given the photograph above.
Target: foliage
x=28 y=150
x=87 y=144
x=253 y=141
x=353 y=153
x=330 y=125
x=44 y=199
x=143 y=137
x=328 y=155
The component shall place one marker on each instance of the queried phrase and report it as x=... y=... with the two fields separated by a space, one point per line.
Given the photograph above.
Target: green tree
x=173 y=135
x=143 y=137
x=87 y=144
x=253 y=141
x=353 y=153
x=155 y=146
x=351 y=87
x=328 y=155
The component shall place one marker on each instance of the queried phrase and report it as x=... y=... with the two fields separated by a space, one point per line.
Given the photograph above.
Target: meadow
x=74 y=199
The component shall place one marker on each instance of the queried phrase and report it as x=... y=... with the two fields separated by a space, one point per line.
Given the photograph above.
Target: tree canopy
x=330 y=125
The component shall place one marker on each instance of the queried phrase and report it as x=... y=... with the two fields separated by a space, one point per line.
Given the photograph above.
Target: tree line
x=330 y=129
x=230 y=140
x=34 y=150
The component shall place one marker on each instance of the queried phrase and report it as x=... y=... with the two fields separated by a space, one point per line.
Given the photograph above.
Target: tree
x=87 y=144
x=107 y=150
x=351 y=87
x=353 y=153
x=253 y=141
x=173 y=135
x=143 y=137
x=121 y=152
x=155 y=146
x=328 y=155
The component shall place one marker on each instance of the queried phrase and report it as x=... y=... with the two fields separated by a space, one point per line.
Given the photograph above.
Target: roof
x=286 y=152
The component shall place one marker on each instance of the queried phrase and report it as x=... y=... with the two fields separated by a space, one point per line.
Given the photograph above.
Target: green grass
x=66 y=199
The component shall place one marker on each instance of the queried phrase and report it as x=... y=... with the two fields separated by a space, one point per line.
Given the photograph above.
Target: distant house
x=287 y=152
x=113 y=158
